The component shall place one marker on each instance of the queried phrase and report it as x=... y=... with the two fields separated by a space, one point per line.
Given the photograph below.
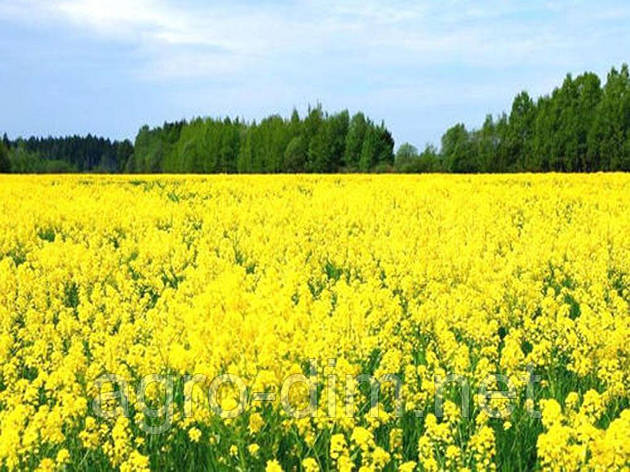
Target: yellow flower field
x=352 y=323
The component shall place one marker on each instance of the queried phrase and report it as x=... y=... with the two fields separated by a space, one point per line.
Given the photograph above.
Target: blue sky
x=107 y=67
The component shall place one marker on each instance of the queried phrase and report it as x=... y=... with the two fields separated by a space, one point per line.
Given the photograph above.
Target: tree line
x=582 y=126
x=68 y=154
x=318 y=142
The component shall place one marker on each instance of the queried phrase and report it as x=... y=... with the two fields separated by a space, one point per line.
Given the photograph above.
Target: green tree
x=124 y=151
x=486 y=146
x=23 y=161
x=588 y=97
x=457 y=152
x=543 y=139
x=5 y=163
x=408 y=160
x=385 y=146
x=354 y=140
x=245 y=159
x=369 y=150
x=406 y=152
x=520 y=131
x=429 y=160
x=608 y=136
x=295 y=155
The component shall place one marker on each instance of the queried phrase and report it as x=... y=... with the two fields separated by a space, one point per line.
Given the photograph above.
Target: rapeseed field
x=306 y=323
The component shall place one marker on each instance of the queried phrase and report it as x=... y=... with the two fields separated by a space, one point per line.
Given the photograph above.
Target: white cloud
x=213 y=39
